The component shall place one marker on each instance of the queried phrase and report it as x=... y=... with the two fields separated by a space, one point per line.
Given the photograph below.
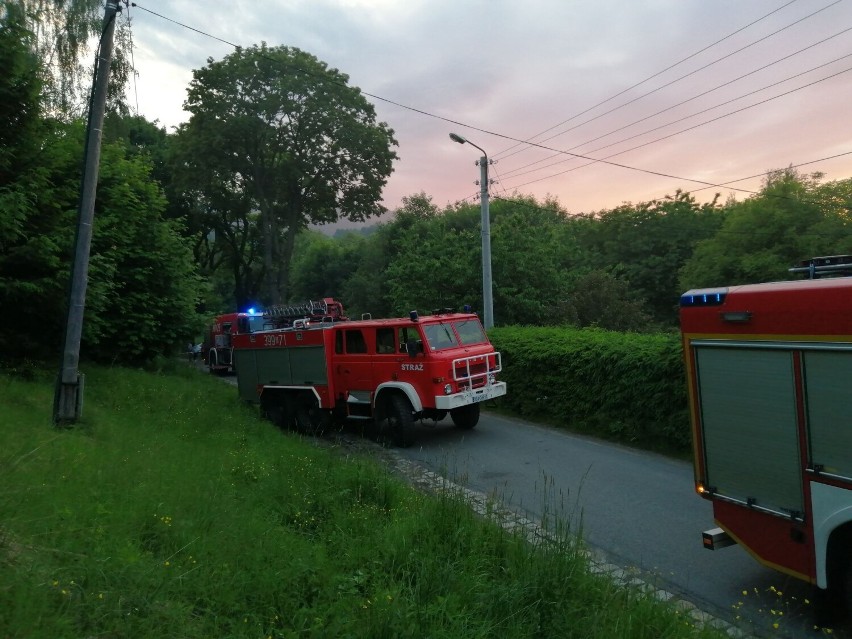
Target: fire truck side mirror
x=413 y=347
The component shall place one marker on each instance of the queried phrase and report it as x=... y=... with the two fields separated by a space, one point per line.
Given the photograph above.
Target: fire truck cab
x=390 y=371
x=217 y=349
x=769 y=376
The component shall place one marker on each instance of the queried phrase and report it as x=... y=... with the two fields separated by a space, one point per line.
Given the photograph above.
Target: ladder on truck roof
x=325 y=310
x=830 y=266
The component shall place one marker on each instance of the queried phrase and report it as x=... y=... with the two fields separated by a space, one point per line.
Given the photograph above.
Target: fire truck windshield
x=470 y=332
x=442 y=335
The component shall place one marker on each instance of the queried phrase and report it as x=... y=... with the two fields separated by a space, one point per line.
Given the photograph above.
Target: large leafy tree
x=793 y=218
x=20 y=121
x=222 y=222
x=437 y=259
x=533 y=246
x=63 y=32
x=646 y=245
x=143 y=287
x=275 y=129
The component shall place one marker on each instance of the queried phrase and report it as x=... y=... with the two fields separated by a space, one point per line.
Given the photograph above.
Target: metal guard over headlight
x=448 y=389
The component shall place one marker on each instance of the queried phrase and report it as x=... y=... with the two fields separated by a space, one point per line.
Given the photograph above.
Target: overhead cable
x=651 y=77
x=676 y=80
x=695 y=97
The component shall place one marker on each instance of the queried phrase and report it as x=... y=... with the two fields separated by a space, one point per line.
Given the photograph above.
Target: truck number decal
x=273 y=340
x=412 y=367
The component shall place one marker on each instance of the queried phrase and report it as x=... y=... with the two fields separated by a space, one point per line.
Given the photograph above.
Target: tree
x=321 y=264
x=143 y=288
x=603 y=300
x=279 y=129
x=20 y=122
x=792 y=218
x=435 y=259
x=144 y=284
x=222 y=221
x=62 y=31
x=649 y=242
x=532 y=248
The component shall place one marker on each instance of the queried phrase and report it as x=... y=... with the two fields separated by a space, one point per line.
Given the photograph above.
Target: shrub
x=624 y=386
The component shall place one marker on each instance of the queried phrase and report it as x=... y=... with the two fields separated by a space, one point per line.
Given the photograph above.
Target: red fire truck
x=769 y=374
x=217 y=350
x=389 y=371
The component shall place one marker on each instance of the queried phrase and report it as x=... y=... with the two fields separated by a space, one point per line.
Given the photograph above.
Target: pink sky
x=503 y=69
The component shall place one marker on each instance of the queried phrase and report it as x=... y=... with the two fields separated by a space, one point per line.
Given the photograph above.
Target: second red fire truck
x=217 y=350
x=769 y=372
x=392 y=372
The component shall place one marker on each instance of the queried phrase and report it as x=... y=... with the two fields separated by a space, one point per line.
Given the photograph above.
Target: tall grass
x=173 y=511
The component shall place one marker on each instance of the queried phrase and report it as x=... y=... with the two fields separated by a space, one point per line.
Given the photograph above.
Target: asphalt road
x=638 y=508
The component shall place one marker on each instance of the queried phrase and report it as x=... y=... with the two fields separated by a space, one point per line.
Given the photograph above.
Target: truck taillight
x=700 y=489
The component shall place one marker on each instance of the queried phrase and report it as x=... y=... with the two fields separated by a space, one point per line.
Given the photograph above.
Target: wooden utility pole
x=68 y=395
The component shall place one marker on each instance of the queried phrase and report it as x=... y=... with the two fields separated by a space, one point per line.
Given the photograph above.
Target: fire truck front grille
x=476 y=371
x=476 y=376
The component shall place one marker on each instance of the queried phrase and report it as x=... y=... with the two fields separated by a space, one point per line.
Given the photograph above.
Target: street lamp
x=487 y=301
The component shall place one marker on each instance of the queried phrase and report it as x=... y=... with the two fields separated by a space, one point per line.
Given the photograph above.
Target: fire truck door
x=748 y=412
x=353 y=366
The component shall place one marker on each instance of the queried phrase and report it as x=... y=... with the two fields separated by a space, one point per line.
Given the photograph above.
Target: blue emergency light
x=704 y=297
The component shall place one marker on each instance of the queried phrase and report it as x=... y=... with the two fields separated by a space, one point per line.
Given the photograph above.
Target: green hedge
x=624 y=386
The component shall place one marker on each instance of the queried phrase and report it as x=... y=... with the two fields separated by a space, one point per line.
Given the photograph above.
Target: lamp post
x=487 y=302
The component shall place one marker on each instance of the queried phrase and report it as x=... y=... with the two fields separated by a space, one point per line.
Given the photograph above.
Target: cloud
x=509 y=69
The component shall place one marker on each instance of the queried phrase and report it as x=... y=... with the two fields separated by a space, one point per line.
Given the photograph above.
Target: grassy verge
x=173 y=511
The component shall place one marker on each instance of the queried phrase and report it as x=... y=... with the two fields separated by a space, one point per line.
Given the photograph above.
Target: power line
x=605 y=159
x=692 y=115
x=676 y=80
x=651 y=77
x=132 y=57
x=438 y=117
x=723 y=184
x=757 y=175
x=695 y=97
x=185 y=26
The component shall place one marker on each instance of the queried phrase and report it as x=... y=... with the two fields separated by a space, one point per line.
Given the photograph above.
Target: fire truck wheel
x=837 y=604
x=273 y=410
x=844 y=588
x=465 y=417
x=400 y=421
x=310 y=418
